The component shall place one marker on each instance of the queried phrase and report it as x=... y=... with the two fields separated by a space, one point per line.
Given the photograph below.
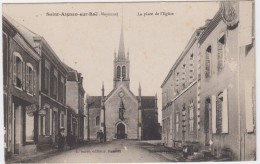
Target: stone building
x=75 y=102
x=52 y=98
x=121 y=114
x=179 y=98
x=222 y=93
x=227 y=88
x=21 y=80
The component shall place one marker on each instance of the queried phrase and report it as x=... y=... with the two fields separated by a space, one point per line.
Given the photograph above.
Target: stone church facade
x=121 y=114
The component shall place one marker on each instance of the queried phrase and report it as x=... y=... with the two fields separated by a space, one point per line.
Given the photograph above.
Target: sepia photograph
x=129 y=82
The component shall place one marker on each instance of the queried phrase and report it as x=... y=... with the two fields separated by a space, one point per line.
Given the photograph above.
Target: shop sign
x=30 y=109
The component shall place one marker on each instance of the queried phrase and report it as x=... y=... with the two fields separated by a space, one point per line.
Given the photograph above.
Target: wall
x=112 y=113
x=227 y=78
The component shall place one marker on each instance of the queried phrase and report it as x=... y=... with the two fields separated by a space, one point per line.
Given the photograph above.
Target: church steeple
x=121 y=63
x=121 y=48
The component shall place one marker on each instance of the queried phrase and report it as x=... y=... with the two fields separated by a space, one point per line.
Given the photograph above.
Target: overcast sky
x=87 y=43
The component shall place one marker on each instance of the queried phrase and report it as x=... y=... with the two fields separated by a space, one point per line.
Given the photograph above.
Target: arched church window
x=118 y=72
x=124 y=72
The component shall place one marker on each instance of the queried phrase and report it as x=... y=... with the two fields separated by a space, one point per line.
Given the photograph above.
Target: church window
x=221 y=52
x=118 y=70
x=208 y=62
x=97 y=120
x=124 y=72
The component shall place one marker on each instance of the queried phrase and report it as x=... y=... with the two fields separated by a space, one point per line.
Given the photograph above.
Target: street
x=120 y=151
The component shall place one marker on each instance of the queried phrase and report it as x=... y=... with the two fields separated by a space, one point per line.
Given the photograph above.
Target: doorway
x=121 y=131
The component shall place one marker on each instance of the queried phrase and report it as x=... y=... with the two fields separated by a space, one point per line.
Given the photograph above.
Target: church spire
x=121 y=49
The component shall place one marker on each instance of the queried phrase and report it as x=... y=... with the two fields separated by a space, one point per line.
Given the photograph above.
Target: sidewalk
x=39 y=155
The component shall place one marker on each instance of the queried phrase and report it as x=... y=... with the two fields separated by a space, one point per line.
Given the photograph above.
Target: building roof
x=148 y=102
x=22 y=30
x=94 y=101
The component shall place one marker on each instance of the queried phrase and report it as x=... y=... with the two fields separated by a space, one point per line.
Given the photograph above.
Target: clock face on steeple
x=121 y=94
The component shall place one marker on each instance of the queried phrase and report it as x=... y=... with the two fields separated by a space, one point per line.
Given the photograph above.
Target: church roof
x=94 y=101
x=148 y=102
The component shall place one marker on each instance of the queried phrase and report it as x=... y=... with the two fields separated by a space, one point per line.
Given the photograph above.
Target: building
x=75 y=102
x=21 y=93
x=227 y=88
x=221 y=91
x=121 y=114
x=179 y=98
x=52 y=98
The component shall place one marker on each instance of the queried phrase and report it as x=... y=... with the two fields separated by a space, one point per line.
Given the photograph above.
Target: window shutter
x=34 y=81
x=50 y=121
x=43 y=125
x=220 y=56
x=214 y=114
x=249 y=107
x=27 y=78
x=225 y=112
x=23 y=75
x=14 y=69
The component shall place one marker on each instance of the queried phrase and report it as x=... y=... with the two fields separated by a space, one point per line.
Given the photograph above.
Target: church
x=121 y=114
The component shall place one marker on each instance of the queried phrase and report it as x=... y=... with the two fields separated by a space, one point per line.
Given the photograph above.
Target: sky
x=87 y=43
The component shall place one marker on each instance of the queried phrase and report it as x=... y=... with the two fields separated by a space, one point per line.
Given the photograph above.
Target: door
x=120 y=131
x=55 y=125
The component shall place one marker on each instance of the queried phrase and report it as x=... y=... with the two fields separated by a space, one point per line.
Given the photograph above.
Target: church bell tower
x=121 y=64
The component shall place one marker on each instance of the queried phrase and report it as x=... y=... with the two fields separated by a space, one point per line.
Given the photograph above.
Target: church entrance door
x=121 y=131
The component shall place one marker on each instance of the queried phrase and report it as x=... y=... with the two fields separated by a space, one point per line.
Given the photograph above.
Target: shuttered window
x=208 y=62
x=221 y=52
x=18 y=70
x=249 y=106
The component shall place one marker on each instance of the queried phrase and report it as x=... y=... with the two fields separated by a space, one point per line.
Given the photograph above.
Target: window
x=62 y=119
x=177 y=122
x=222 y=113
x=208 y=62
x=221 y=52
x=29 y=78
x=191 y=115
x=207 y=109
x=29 y=127
x=55 y=83
x=62 y=89
x=18 y=70
x=97 y=121
x=47 y=76
x=124 y=72
x=118 y=72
